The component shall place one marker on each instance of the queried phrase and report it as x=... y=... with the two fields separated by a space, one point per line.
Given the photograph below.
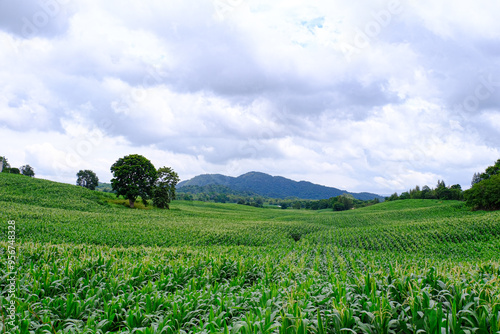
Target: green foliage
x=491 y=170
x=475 y=179
x=87 y=179
x=339 y=203
x=85 y=266
x=213 y=190
x=346 y=200
x=133 y=176
x=5 y=164
x=339 y=207
x=484 y=195
x=139 y=205
x=27 y=170
x=258 y=203
x=405 y=195
x=441 y=192
x=221 y=194
x=393 y=197
x=14 y=170
x=164 y=191
x=485 y=191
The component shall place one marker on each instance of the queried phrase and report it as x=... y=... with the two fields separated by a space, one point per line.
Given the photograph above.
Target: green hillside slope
x=43 y=193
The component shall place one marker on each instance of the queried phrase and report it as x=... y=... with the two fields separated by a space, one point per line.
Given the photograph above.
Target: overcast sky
x=372 y=96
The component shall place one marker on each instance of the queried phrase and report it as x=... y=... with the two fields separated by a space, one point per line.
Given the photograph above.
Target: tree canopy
x=441 y=192
x=164 y=191
x=134 y=176
x=14 y=170
x=5 y=164
x=27 y=170
x=484 y=195
x=491 y=170
x=87 y=179
x=485 y=192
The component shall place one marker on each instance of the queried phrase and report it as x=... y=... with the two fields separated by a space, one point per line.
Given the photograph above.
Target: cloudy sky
x=361 y=95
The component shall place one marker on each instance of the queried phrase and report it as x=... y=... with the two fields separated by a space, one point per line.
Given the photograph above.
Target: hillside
x=48 y=194
x=273 y=186
x=214 y=188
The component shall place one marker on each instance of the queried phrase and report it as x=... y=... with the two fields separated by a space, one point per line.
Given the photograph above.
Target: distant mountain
x=272 y=186
x=104 y=187
x=214 y=188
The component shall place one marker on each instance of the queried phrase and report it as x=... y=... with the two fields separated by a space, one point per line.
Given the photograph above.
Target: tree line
x=441 y=192
x=337 y=203
x=5 y=167
x=220 y=194
x=484 y=193
x=223 y=194
x=135 y=177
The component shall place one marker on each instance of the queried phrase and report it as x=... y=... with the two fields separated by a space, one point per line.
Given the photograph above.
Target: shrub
x=14 y=170
x=484 y=195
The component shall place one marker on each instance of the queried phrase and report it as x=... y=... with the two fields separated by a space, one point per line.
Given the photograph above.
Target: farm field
x=87 y=265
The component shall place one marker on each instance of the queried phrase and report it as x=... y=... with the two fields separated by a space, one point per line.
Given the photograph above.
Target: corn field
x=84 y=265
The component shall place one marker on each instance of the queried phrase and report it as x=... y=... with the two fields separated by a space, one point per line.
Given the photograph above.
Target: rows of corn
x=300 y=289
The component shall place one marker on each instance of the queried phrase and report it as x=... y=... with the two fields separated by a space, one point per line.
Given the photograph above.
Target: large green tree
x=164 y=191
x=87 y=178
x=134 y=176
x=485 y=193
x=27 y=170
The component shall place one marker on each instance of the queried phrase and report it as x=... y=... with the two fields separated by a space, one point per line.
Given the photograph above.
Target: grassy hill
x=87 y=264
x=47 y=194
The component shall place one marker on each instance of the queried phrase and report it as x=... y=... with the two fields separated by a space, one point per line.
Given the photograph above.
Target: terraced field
x=86 y=265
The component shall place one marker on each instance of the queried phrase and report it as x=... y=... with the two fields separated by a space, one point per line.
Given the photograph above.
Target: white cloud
x=367 y=97
x=450 y=19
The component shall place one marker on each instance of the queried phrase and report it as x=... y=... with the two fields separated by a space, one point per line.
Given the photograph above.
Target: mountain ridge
x=273 y=186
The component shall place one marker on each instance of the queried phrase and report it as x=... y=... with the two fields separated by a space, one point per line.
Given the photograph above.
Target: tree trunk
x=131 y=202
